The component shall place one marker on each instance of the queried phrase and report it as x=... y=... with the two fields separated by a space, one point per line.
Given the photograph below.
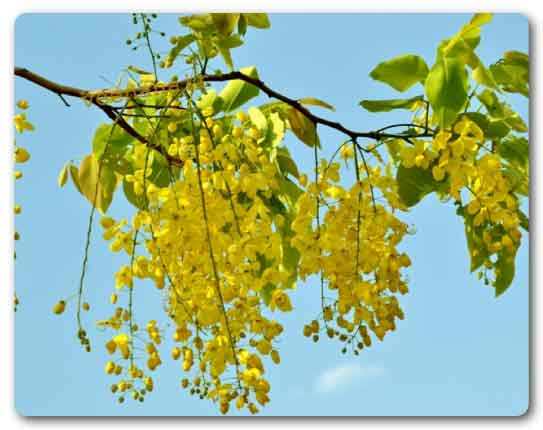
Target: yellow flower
x=107 y=222
x=440 y=140
x=110 y=367
x=122 y=341
x=346 y=152
x=111 y=346
x=407 y=155
x=176 y=353
x=264 y=347
x=208 y=111
x=21 y=123
x=335 y=192
x=242 y=116
x=172 y=127
x=280 y=300
x=438 y=173
x=457 y=147
x=21 y=155
x=22 y=104
x=59 y=307
x=276 y=358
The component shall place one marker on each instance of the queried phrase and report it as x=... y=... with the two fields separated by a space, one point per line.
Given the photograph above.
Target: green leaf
x=501 y=110
x=512 y=72
x=108 y=183
x=516 y=150
x=516 y=123
x=505 y=271
x=518 y=179
x=478 y=118
x=391 y=104
x=225 y=44
x=394 y=147
x=225 y=22
x=266 y=292
x=517 y=58
x=88 y=177
x=492 y=129
x=74 y=174
x=227 y=57
x=497 y=129
x=492 y=104
x=116 y=140
x=286 y=163
x=477 y=249
x=230 y=42
x=238 y=92
x=181 y=42
x=481 y=19
x=290 y=192
x=277 y=129
x=504 y=267
x=63 y=175
x=132 y=197
x=312 y=101
x=484 y=76
x=274 y=204
x=461 y=46
x=198 y=22
x=524 y=220
x=284 y=205
x=291 y=258
x=97 y=183
x=447 y=89
x=402 y=72
x=303 y=128
x=242 y=25
x=415 y=183
x=258 y=119
x=258 y=20
x=290 y=255
x=210 y=99
x=160 y=173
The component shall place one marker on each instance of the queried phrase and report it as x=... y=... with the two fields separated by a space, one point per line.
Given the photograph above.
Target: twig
x=63 y=100
x=146 y=28
x=95 y=97
x=366 y=168
x=359 y=184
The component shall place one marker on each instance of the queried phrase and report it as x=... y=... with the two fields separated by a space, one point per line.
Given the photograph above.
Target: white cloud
x=341 y=376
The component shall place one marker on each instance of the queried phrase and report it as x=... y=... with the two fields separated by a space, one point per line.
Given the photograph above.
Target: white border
x=11 y=9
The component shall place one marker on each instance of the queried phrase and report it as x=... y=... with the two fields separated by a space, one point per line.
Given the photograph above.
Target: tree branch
x=95 y=96
x=110 y=111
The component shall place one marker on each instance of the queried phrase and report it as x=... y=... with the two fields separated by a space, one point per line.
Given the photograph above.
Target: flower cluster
x=211 y=243
x=354 y=251
x=461 y=159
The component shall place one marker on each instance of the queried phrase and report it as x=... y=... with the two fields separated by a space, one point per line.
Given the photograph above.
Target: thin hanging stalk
x=210 y=246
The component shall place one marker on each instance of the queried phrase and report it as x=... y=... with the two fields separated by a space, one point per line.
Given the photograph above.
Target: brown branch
x=96 y=95
x=50 y=85
x=110 y=111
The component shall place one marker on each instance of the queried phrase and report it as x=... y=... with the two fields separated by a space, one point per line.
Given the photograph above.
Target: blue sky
x=459 y=351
